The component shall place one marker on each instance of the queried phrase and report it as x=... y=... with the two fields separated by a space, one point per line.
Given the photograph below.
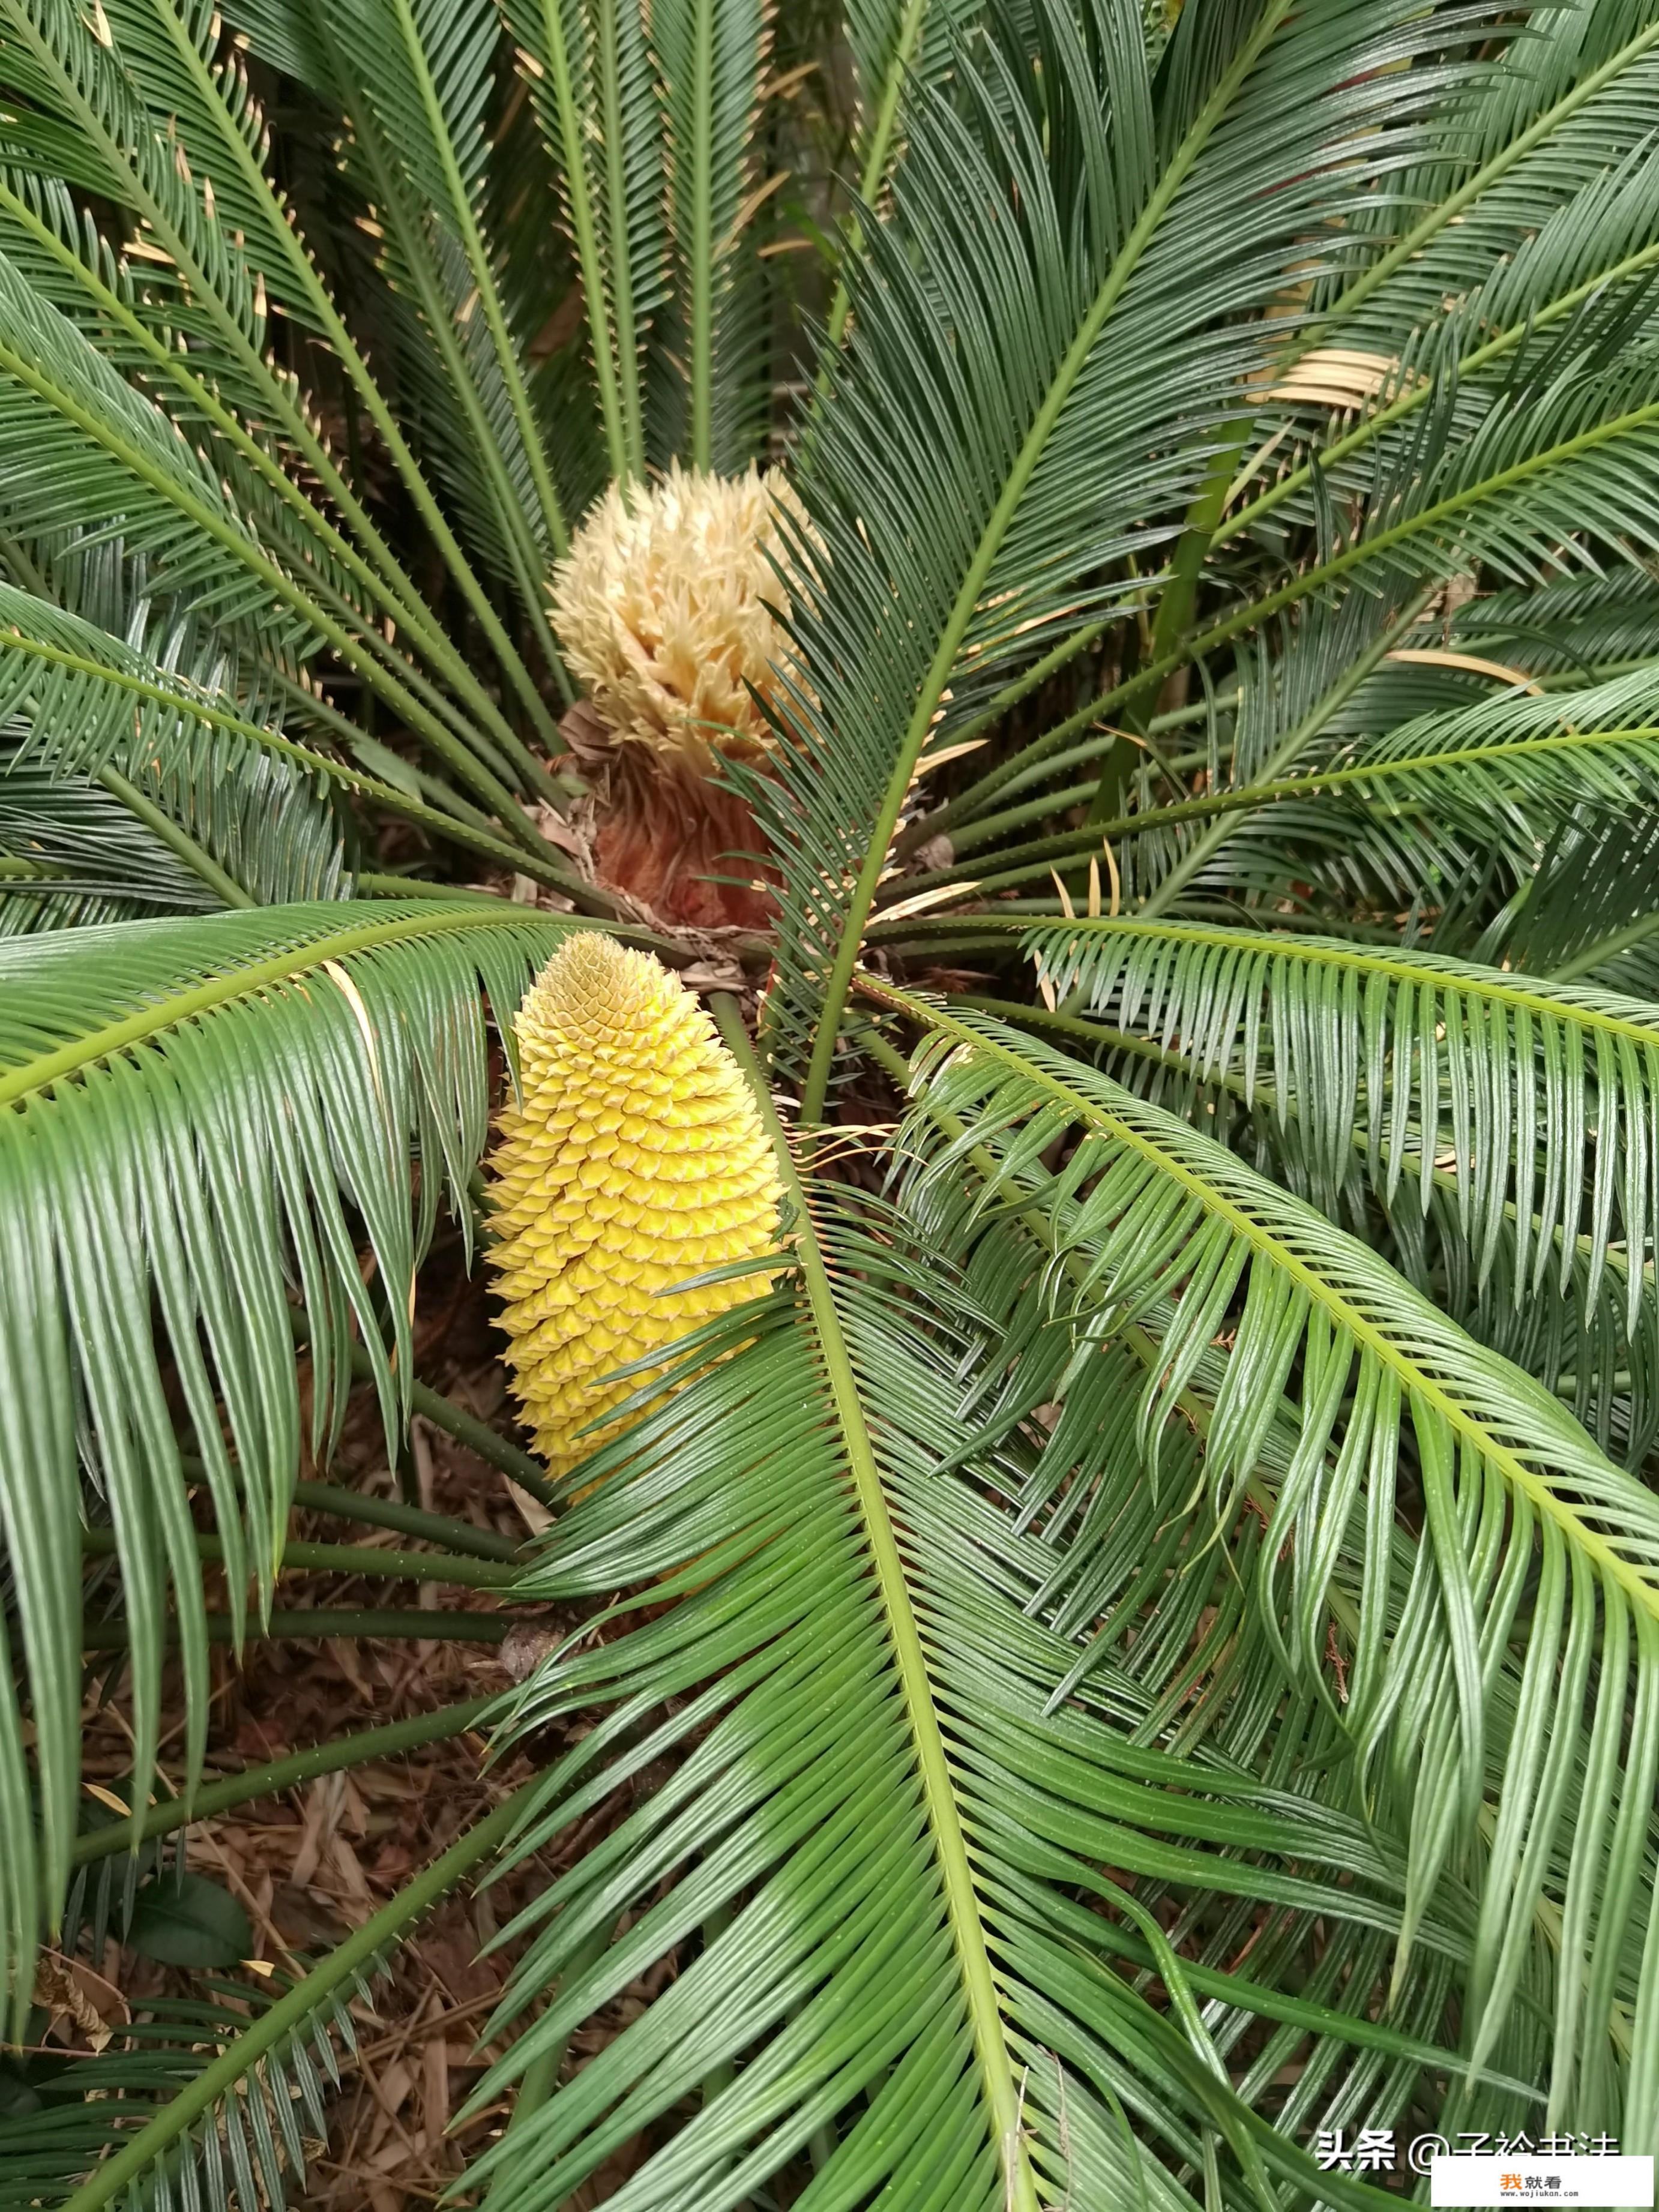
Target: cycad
x=1146 y=1642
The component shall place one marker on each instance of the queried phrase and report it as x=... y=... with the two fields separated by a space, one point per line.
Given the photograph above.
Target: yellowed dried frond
x=1430 y=656
x=635 y=1160
x=1336 y=376
x=661 y=608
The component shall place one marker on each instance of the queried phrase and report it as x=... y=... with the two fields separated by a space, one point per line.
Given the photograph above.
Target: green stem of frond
x=620 y=258
x=369 y=1561
x=408 y=1520
x=909 y=1656
x=178 y=840
x=311 y=1623
x=541 y=2077
x=454 y=1421
x=292 y=1772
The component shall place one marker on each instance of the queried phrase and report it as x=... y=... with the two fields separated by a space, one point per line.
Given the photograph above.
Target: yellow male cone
x=636 y=1160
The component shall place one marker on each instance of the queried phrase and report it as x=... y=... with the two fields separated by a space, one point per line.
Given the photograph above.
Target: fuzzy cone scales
x=637 y=1159
x=662 y=607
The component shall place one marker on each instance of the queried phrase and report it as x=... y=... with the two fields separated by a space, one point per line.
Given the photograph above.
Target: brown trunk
x=664 y=831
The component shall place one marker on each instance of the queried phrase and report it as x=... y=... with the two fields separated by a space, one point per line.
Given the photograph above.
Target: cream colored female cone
x=664 y=608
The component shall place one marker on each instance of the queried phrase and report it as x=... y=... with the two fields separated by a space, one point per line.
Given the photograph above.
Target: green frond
x=230 y=2134
x=1562 y=629
x=61 y=2119
x=1534 y=1094
x=600 y=105
x=88 y=453
x=176 y=138
x=196 y=1114
x=1553 y=228
x=1419 y=814
x=155 y=334
x=897 y=44
x=419 y=111
x=710 y=55
x=74 y=855
x=982 y=475
x=1172 y=1236
x=1589 y=1337
x=895 y=1764
x=83 y=448
x=262 y=807
x=896 y=41
x=1484 y=425
x=244 y=812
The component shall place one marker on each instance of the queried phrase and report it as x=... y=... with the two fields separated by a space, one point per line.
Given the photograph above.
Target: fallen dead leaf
x=70 y=1992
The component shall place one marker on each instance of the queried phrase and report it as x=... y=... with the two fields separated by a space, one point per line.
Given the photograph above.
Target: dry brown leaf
x=391 y=2086
x=349 y=1867
x=434 y=2092
x=713 y=975
x=69 y=1991
x=534 y=1514
x=322 y=1810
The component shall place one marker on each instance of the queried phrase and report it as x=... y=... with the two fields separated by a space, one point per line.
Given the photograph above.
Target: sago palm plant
x=1105 y=1395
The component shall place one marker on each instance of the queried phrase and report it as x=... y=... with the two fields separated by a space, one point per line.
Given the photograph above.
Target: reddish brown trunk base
x=662 y=833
